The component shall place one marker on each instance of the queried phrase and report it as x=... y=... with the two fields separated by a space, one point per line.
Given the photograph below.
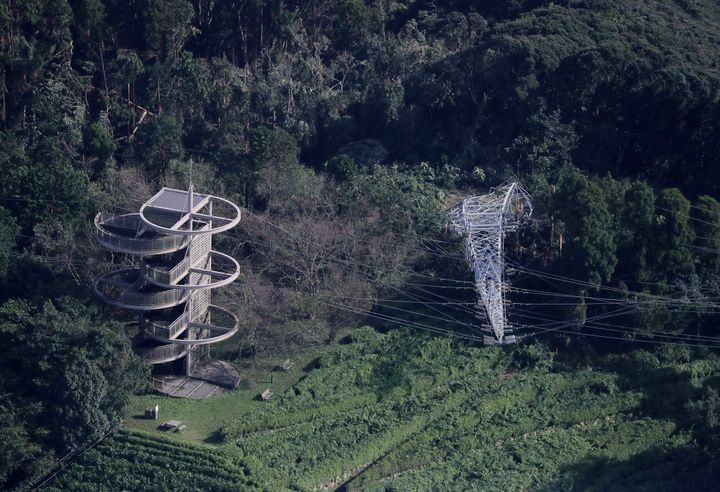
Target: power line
x=688 y=215
x=419 y=299
x=73 y=459
x=402 y=321
x=652 y=299
x=593 y=323
x=353 y=265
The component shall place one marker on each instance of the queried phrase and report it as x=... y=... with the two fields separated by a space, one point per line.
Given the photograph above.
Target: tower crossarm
x=483 y=221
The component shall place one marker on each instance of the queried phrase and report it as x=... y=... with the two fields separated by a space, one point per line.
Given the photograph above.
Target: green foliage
x=165 y=26
x=361 y=414
x=89 y=20
x=674 y=235
x=705 y=413
x=129 y=65
x=590 y=235
x=8 y=239
x=707 y=232
x=342 y=167
x=16 y=448
x=407 y=201
x=352 y=27
x=98 y=143
x=43 y=183
x=82 y=373
x=157 y=143
x=79 y=403
x=635 y=239
x=547 y=144
x=136 y=461
x=533 y=356
x=402 y=100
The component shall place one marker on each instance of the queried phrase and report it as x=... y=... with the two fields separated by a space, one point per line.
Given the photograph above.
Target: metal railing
x=157 y=384
x=163 y=330
x=163 y=275
x=201 y=275
x=162 y=353
x=127 y=244
x=155 y=300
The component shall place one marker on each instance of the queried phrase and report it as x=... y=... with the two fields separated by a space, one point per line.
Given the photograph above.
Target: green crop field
x=398 y=412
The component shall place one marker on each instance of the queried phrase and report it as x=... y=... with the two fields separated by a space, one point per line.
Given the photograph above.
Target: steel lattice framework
x=484 y=221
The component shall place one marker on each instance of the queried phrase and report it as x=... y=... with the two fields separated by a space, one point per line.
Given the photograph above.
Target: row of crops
x=388 y=412
x=138 y=461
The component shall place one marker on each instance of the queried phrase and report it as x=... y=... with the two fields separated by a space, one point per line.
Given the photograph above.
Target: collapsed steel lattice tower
x=484 y=220
x=170 y=285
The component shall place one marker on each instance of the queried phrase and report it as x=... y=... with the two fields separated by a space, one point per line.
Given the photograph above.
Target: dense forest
x=346 y=129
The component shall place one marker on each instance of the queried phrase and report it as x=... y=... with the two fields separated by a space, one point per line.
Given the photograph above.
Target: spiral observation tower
x=176 y=270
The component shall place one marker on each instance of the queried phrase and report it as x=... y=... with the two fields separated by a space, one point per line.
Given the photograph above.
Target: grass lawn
x=204 y=418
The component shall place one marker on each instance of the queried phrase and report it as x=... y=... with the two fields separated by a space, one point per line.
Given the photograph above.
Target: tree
x=707 y=231
x=705 y=414
x=8 y=234
x=99 y=146
x=672 y=256
x=62 y=398
x=351 y=24
x=635 y=237
x=590 y=239
x=545 y=144
x=244 y=154
x=79 y=399
x=405 y=201
x=88 y=23
x=47 y=184
x=17 y=451
x=157 y=143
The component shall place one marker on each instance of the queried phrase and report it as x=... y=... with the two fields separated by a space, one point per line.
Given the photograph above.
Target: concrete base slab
x=185 y=387
x=207 y=379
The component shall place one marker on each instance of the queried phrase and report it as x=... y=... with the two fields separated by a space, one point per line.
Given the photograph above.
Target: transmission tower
x=174 y=273
x=484 y=221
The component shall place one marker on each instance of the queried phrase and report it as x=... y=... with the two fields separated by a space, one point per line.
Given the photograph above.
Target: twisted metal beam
x=484 y=220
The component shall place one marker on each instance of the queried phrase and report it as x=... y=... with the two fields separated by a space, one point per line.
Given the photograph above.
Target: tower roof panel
x=175 y=200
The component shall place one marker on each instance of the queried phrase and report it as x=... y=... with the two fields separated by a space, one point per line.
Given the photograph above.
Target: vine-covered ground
x=397 y=412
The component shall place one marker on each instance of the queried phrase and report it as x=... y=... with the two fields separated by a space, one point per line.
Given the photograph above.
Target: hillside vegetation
x=345 y=129
x=391 y=412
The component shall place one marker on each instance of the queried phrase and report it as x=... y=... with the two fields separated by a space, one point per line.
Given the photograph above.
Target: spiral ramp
x=174 y=273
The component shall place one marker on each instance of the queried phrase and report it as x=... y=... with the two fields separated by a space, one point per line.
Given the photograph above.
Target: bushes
x=476 y=423
x=136 y=461
x=76 y=388
x=533 y=356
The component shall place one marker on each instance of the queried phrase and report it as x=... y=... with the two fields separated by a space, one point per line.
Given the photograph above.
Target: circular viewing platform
x=179 y=212
x=175 y=271
x=224 y=270
x=160 y=354
x=126 y=289
x=220 y=325
x=127 y=234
